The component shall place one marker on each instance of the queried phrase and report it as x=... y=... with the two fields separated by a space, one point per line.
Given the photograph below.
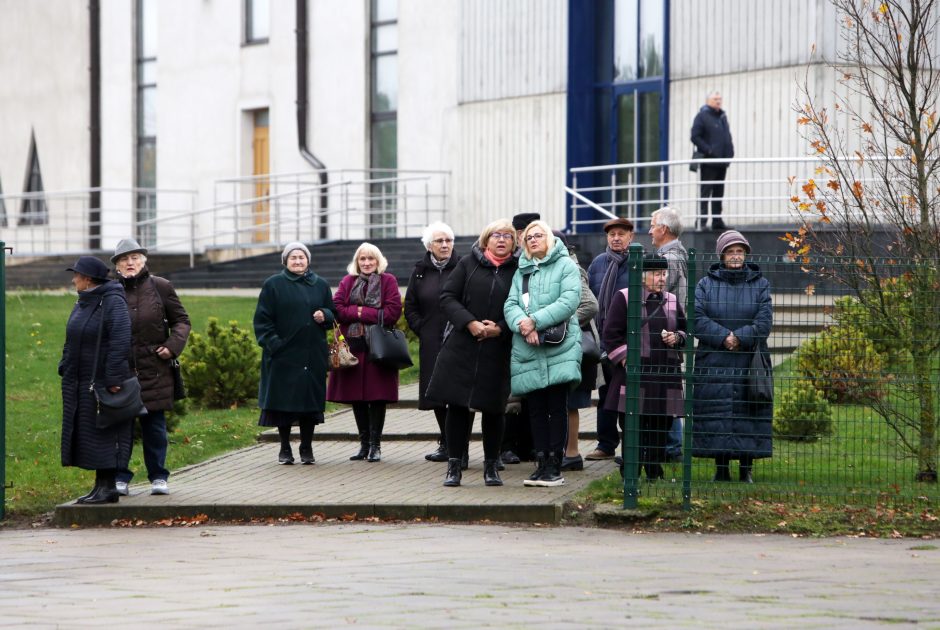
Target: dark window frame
x=248 y=24
x=33 y=211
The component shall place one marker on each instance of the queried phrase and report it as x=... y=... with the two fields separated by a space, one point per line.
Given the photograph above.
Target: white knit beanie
x=291 y=247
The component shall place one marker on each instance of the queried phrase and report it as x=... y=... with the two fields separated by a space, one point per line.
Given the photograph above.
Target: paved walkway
x=248 y=483
x=458 y=576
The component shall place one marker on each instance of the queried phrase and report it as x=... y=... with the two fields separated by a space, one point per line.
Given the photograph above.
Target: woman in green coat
x=294 y=311
x=545 y=293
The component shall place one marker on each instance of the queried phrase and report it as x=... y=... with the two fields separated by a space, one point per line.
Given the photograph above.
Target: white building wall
x=44 y=68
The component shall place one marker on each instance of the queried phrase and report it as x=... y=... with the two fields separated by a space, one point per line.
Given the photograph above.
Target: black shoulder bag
x=114 y=408
x=551 y=335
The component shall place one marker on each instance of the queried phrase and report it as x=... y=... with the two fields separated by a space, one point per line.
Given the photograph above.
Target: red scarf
x=493 y=259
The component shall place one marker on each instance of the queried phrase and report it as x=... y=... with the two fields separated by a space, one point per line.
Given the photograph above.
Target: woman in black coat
x=472 y=369
x=733 y=317
x=83 y=444
x=424 y=316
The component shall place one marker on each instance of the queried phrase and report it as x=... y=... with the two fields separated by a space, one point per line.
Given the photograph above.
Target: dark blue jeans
x=608 y=437
x=154 y=441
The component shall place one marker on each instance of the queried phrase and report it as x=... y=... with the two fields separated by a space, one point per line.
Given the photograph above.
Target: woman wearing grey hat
x=662 y=337
x=295 y=309
x=733 y=317
x=99 y=320
x=159 y=328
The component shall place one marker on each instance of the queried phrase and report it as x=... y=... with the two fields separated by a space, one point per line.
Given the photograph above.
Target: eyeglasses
x=534 y=237
x=501 y=236
x=443 y=241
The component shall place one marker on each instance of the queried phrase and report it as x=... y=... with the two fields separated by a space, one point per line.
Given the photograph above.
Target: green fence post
x=689 y=384
x=3 y=379
x=631 y=427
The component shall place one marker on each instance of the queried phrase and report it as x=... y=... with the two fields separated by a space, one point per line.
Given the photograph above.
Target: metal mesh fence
x=855 y=367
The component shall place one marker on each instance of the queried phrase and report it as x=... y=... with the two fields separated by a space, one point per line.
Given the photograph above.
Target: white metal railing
x=757 y=190
x=245 y=213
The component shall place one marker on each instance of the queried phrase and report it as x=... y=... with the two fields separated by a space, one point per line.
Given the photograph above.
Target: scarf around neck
x=493 y=259
x=608 y=285
x=366 y=291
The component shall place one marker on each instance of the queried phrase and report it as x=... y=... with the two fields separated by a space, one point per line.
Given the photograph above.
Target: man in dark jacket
x=711 y=136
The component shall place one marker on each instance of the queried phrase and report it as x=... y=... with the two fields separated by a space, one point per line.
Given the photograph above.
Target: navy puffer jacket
x=725 y=421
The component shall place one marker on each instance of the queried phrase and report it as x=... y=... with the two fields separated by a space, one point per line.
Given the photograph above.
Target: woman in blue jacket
x=545 y=293
x=733 y=317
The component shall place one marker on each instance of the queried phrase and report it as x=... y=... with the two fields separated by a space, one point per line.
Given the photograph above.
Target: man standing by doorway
x=711 y=136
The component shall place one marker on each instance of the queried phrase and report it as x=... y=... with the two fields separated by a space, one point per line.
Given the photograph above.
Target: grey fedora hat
x=127 y=246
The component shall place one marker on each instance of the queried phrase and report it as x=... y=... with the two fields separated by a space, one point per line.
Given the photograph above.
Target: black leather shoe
x=508 y=457
x=491 y=473
x=101 y=494
x=94 y=489
x=499 y=464
x=440 y=455
x=452 y=478
x=375 y=452
x=362 y=454
x=572 y=463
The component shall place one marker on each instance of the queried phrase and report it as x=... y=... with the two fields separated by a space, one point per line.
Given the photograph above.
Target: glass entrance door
x=635 y=139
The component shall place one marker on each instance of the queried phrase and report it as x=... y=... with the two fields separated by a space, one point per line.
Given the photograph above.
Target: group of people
x=512 y=325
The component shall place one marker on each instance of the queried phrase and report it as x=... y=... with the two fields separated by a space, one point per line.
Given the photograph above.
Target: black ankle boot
x=105 y=491
x=94 y=489
x=363 y=449
x=452 y=478
x=376 y=424
x=532 y=479
x=490 y=473
x=722 y=473
x=440 y=455
x=375 y=451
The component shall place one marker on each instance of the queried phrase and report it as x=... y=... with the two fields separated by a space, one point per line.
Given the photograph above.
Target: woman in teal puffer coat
x=546 y=291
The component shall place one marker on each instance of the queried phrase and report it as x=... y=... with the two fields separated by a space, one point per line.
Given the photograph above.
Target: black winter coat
x=468 y=372
x=711 y=133
x=424 y=316
x=83 y=444
x=150 y=300
x=725 y=421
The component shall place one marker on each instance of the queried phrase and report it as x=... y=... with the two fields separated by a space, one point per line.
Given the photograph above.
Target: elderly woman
x=733 y=317
x=424 y=316
x=472 y=369
x=99 y=320
x=546 y=364
x=362 y=296
x=159 y=330
x=294 y=311
x=662 y=336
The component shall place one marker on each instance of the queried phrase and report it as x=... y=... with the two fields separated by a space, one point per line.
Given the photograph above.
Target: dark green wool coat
x=294 y=348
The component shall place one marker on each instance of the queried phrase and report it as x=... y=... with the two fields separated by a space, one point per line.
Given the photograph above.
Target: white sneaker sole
x=531 y=483
x=550 y=484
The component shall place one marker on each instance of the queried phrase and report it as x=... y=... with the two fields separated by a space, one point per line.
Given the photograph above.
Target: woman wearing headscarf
x=472 y=369
x=662 y=335
x=546 y=291
x=100 y=307
x=424 y=316
x=363 y=296
x=733 y=317
x=294 y=311
x=159 y=330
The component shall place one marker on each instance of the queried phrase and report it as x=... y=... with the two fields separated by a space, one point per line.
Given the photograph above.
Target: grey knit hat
x=729 y=238
x=291 y=247
x=127 y=246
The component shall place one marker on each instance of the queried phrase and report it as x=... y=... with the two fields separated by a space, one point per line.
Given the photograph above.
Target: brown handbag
x=340 y=354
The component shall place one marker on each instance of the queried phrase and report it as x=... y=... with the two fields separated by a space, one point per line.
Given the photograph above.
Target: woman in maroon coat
x=361 y=296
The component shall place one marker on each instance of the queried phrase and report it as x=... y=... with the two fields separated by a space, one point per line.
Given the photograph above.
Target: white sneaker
x=159 y=486
x=121 y=488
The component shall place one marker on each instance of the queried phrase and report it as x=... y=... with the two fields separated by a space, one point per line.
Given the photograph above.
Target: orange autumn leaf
x=833 y=184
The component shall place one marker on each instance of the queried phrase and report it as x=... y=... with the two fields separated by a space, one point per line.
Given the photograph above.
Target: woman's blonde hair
x=499 y=225
x=549 y=237
x=367 y=248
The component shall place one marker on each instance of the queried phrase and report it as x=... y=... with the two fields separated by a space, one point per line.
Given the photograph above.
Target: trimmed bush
x=842 y=363
x=222 y=368
x=802 y=413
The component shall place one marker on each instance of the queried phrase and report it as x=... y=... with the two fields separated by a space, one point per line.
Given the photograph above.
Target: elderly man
x=608 y=274
x=711 y=136
x=665 y=230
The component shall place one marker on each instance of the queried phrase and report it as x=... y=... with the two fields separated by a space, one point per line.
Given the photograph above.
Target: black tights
x=548 y=413
x=306 y=433
x=440 y=414
x=457 y=428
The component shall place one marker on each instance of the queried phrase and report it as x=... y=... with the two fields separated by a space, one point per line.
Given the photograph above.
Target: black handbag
x=121 y=406
x=760 y=378
x=590 y=349
x=387 y=346
x=696 y=155
x=553 y=334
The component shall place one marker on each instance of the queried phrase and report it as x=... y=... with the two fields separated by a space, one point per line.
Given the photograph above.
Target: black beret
x=522 y=221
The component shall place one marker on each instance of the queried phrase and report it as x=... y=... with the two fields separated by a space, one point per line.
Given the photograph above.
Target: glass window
x=386 y=38
x=257 y=16
x=385 y=84
x=625 y=40
x=33 y=209
x=651 y=49
x=384 y=10
x=147 y=114
x=147 y=28
x=147 y=164
x=385 y=144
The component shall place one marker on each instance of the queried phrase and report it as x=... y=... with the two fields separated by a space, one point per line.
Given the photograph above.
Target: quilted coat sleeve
x=751 y=335
x=513 y=309
x=117 y=324
x=709 y=332
x=561 y=309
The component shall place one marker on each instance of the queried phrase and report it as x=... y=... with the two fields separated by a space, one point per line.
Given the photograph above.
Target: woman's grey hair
x=670 y=218
x=428 y=234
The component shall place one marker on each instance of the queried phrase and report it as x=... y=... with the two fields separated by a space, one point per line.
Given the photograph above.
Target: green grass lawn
x=35 y=333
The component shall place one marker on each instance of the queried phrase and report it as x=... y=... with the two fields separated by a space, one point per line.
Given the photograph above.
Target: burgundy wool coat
x=366 y=381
